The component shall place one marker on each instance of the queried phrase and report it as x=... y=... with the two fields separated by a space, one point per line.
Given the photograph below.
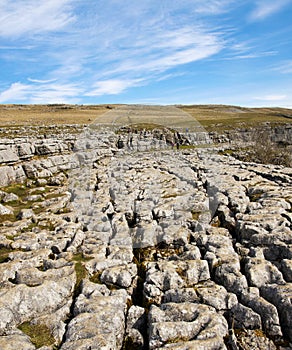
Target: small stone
x=25 y=214
x=5 y=210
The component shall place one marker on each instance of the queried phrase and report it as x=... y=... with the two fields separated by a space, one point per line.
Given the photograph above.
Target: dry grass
x=224 y=117
x=209 y=116
x=11 y=115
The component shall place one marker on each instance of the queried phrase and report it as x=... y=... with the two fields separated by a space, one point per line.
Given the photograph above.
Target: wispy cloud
x=17 y=91
x=111 y=87
x=252 y=55
x=69 y=50
x=18 y=17
x=213 y=7
x=169 y=49
x=41 y=81
x=40 y=93
x=284 y=67
x=106 y=57
x=266 y=8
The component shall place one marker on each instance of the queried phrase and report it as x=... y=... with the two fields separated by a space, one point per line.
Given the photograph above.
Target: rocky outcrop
x=142 y=247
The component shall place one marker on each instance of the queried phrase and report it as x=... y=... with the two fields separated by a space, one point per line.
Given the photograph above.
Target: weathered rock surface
x=142 y=247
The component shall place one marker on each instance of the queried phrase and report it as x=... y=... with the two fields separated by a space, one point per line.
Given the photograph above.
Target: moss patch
x=4 y=253
x=80 y=269
x=95 y=278
x=39 y=334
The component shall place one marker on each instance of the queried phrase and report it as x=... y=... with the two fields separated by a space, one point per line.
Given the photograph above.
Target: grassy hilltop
x=209 y=116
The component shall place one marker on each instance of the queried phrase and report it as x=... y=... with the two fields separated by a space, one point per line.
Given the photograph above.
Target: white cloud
x=41 y=81
x=266 y=8
x=252 y=55
x=19 y=18
x=166 y=50
x=111 y=87
x=271 y=98
x=40 y=93
x=17 y=91
x=113 y=45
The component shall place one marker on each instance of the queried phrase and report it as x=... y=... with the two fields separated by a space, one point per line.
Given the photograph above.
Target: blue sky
x=149 y=52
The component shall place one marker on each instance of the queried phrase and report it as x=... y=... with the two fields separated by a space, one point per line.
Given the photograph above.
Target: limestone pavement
x=142 y=247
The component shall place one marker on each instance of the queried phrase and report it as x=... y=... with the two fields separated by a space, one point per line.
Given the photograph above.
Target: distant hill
x=210 y=116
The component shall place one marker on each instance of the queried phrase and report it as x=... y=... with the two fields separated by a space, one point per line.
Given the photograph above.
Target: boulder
x=280 y=296
x=242 y=317
x=15 y=339
x=136 y=327
x=267 y=311
x=121 y=276
x=260 y=272
x=22 y=303
x=194 y=324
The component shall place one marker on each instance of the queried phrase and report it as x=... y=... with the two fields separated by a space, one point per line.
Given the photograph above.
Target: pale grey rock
x=5 y=210
x=246 y=230
x=191 y=252
x=260 y=272
x=93 y=342
x=8 y=197
x=175 y=234
x=280 y=296
x=202 y=344
x=152 y=293
x=56 y=321
x=98 y=265
x=136 y=325
x=226 y=217
x=146 y=235
x=25 y=150
x=34 y=277
x=216 y=296
x=144 y=200
x=25 y=214
x=11 y=174
x=238 y=200
x=46 y=147
x=267 y=311
x=177 y=274
x=76 y=241
x=121 y=276
x=231 y=278
x=8 y=156
x=22 y=303
x=184 y=322
x=267 y=222
x=99 y=321
x=244 y=317
x=181 y=296
x=91 y=290
x=121 y=253
x=33 y=198
x=264 y=239
x=15 y=339
x=9 y=269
